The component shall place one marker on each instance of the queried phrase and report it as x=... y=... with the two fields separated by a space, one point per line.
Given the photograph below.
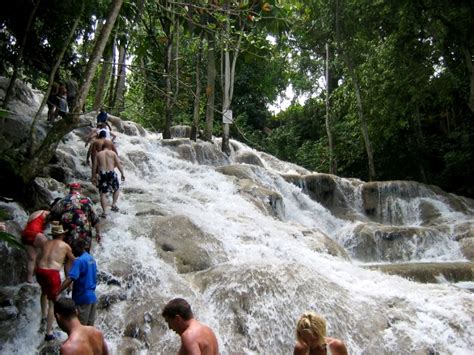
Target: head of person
x=78 y=247
x=74 y=187
x=57 y=230
x=102 y=134
x=62 y=90
x=311 y=329
x=54 y=202
x=65 y=310
x=107 y=145
x=176 y=313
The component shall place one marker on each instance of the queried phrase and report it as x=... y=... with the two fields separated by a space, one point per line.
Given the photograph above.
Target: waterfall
x=251 y=249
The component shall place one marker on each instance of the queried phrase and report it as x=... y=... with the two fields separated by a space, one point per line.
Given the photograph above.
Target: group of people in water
x=73 y=219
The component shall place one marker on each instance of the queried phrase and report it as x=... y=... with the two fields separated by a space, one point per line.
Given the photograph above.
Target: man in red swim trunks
x=54 y=255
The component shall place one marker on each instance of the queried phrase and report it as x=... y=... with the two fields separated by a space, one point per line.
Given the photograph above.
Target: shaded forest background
x=389 y=84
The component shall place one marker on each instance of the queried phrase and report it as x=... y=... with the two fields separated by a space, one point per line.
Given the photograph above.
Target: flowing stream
x=250 y=251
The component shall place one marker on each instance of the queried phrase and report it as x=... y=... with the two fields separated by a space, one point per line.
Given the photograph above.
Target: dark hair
x=55 y=201
x=177 y=306
x=78 y=246
x=102 y=133
x=65 y=307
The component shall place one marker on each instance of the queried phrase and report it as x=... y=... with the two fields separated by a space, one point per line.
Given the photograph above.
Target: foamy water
x=265 y=276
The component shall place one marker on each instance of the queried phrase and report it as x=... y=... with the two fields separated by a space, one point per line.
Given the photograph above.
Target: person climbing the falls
x=78 y=216
x=104 y=165
x=97 y=145
x=196 y=338
x=311 y=337
x=81 y=339
x=33 y=238
x=83 y=277
x=55 y=254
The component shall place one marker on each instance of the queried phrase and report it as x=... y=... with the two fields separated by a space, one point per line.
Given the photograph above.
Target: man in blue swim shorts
x=104 y=165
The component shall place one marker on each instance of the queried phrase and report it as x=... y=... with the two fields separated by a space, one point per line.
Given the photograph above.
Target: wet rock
x=107 y=300
x=321 y=243
x=430 y=272
x=133 y=190
x=150 y=212
x=7 y=313
x=184 y=245
x=115 y=122
x=130 y=346
x=132 y=129
x=107 y=278
x=237 y=170
x=175 y=142
x=266 y=200
x=200 y=152
x=377 y=242
x=467 y=248
x=13 y=258
x=145 y=323
x=180 y=131
x=248 y=158
x=138 y=158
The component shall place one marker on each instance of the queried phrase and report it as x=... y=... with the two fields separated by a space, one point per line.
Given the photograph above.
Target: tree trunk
x=32 y=141
x=119 y=97
x=332 y=159
x=348 y=61
x=420 y=142
x=19 y=57
x=169 y=92
x=112 y=76
x=229 y=75
x=96 y=54
x=211 y=85
x=102 y=82
x=470 y=68
x=362 y=118
x=197 y=93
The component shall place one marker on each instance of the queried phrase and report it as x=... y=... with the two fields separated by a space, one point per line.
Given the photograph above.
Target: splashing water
x=261 y=271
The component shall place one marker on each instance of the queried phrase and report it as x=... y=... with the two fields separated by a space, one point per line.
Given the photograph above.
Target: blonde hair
x=312 y=323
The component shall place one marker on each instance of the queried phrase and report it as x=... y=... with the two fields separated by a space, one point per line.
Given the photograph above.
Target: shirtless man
x=82 y=339
x=97 y=146
x=196 y=338
x=54 y=255
x=104 y=165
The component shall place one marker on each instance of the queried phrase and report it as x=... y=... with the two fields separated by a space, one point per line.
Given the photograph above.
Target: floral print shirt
x=78 y=217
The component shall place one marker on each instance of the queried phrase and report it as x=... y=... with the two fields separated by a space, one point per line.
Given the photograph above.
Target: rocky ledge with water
x=251 y=242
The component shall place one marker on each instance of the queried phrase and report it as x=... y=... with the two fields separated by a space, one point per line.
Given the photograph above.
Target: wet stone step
x=440 y=272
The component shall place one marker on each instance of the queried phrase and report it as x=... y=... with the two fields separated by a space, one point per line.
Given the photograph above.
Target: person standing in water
x=196 y=338
x=104 y=165
x=81 y=339
x=33 y=238
x=311 y=337
x=54 y=255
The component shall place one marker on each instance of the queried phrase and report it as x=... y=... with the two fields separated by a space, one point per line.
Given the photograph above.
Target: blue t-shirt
x=84 y=274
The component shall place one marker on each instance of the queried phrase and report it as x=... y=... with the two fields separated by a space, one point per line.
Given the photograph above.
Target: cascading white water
x=263 y=272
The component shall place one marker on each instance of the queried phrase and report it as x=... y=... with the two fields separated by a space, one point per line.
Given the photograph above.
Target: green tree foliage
x=412 y=62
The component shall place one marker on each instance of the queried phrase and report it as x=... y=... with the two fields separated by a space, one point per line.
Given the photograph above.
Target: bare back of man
x=104 y=165
x=54 y=254
x=198 y=338
x=107 y=160
x=85 y=340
